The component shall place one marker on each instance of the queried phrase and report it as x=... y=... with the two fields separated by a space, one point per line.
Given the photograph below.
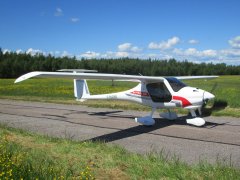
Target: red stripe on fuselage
x=140 y=93
x=184 y=101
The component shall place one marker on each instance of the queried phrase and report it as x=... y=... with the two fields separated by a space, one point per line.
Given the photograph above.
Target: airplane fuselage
x=170 y=93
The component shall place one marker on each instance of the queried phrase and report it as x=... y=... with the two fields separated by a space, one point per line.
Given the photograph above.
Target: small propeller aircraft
x=155 y=92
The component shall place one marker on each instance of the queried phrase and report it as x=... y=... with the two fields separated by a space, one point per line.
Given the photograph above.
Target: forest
x=13 y=65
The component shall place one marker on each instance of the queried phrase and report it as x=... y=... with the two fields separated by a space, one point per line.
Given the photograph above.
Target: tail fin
x=81 y=91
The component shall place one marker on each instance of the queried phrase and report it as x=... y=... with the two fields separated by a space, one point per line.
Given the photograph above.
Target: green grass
x=31 y=156
x=227 y=90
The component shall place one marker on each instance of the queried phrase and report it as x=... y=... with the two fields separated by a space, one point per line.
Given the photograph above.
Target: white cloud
x=193 y=41
x=58 y=12
x=108 y=54
x=196 y=53
x=191 y=52
x=153 y=45
x=228 y=56
x=128 y=47
x=33 y=52
x=90 y=54
x=111 y=54
x=66 y=54
x=6 y=51
x=19 y=51
x=74 y=20
x=124 y=47
x=230 y=53
x=209 y=53
x=235 y=42
x=164 y=44
x=136 y=49
x=122 y=54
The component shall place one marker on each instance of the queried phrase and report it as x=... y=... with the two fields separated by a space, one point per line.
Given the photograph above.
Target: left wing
x=102 y=76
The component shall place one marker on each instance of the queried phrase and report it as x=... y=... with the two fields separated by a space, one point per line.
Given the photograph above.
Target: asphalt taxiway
x=218 y=140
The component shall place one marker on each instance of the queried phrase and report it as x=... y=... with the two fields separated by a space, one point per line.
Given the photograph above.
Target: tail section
x=81 y=91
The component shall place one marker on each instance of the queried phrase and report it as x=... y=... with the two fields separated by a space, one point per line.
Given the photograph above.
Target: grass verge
x=30 y=156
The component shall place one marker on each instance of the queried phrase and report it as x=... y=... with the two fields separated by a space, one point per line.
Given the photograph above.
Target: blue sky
x=196 y=30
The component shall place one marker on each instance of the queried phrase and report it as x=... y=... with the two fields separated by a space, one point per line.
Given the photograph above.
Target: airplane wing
x=72 y=75
x=195 y=77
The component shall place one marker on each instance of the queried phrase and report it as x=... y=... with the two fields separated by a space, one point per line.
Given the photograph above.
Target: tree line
x=13 y=65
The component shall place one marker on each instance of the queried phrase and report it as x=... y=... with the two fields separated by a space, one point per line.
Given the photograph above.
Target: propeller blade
x=214 y=87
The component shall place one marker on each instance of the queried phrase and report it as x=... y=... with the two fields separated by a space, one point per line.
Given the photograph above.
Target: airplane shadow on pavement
x=140 y=129
x=132 y=131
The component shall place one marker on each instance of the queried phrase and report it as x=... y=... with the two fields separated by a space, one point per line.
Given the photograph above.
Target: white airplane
x=155 y=92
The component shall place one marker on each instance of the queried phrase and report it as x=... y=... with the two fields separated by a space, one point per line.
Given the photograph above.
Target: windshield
x=175 y=84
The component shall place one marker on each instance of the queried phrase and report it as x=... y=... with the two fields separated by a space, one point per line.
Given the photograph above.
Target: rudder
x=80 y=89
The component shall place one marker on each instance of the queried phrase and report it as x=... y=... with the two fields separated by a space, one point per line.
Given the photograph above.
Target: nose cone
x=208 y=96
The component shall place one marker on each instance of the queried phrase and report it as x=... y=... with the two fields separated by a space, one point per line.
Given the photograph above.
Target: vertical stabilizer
x=81 y=89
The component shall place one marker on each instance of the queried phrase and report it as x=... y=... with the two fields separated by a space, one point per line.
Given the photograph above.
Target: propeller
x=205 y=111
x=214 y=87
x=206 y=99
x=217 y=104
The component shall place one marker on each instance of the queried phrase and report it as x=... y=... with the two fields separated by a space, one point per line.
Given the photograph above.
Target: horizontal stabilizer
x=78 y=70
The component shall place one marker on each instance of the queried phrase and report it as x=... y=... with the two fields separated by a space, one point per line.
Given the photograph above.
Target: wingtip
x=26 y=76
x=21 y=78
x=16 y=81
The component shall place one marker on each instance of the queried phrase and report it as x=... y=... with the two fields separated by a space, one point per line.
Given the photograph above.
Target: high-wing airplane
x=155 y=92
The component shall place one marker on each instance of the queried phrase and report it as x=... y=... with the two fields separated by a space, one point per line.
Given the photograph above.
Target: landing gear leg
x=152 y=112
x=193 y=113
x=200 y=111
x=147 y=120
x=169 y=115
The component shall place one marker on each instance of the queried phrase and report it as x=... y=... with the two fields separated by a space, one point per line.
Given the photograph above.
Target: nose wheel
x=196 y=121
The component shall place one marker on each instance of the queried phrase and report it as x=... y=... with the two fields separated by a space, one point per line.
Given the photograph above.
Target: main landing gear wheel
x=146 y=120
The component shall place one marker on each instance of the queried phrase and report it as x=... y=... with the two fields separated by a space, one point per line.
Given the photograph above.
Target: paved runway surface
x=218 y=139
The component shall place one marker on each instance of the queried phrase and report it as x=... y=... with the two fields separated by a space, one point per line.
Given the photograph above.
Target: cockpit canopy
x=160 y=93
x=175 y=84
